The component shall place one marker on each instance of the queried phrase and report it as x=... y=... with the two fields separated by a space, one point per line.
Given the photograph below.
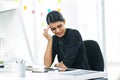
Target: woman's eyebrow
x=56 y=26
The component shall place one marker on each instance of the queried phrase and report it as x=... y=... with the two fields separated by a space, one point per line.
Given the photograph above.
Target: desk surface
x=53 y=75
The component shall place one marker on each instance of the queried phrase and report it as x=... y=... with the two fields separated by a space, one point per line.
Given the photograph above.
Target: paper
x=77 y=72
x=42 y=70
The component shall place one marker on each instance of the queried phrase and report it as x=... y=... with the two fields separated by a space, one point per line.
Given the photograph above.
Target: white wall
x=84 y=15
x=112 y=19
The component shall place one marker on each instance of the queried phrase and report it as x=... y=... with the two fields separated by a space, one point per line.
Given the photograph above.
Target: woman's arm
x=72 y=49
x=48 y=52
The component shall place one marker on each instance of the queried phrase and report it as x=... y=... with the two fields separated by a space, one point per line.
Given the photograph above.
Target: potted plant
x=1 y=64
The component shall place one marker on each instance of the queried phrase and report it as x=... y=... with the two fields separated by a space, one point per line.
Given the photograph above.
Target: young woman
x=66 y=43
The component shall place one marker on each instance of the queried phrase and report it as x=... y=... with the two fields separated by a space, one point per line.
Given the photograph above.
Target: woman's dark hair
x=54 y=16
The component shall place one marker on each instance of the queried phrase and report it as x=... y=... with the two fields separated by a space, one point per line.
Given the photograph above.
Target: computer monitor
x=17 y=44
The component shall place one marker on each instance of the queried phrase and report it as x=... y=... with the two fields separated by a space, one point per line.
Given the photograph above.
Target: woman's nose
x=57 y=29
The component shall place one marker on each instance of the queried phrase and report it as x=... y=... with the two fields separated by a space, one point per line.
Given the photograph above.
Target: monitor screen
x=16 y=42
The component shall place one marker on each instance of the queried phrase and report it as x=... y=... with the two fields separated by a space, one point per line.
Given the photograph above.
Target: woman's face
x=58 y=28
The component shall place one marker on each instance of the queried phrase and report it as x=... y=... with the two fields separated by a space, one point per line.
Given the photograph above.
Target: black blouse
x=70 y=49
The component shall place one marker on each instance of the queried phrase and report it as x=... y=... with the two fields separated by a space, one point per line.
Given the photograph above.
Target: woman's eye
x=53 y=29
x=59 y=26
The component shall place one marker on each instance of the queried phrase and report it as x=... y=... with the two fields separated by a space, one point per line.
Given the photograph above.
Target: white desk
x=52 y=75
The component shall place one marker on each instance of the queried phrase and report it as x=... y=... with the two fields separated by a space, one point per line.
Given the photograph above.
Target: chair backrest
x=94 y=54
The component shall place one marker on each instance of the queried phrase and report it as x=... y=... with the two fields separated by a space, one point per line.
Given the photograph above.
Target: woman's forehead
x=55 y=24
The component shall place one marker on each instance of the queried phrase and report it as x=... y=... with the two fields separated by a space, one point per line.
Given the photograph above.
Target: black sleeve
x=75 y=42
x=54 y=48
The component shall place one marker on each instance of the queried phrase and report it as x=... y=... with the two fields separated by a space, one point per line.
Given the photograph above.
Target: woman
x=66 y=43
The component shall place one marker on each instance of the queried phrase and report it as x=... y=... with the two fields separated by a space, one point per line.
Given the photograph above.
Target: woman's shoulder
x=69 y=30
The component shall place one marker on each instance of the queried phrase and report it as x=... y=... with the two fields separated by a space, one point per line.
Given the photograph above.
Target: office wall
x=84 y=15
x=112 y=18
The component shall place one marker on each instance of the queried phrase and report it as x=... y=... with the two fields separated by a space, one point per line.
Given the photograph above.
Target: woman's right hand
x=46 y=34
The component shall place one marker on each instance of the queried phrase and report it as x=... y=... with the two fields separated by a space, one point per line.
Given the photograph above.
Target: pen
x=21 y=61
x=16 y=61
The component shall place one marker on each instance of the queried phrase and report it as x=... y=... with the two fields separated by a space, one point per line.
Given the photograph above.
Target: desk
x=53 y=75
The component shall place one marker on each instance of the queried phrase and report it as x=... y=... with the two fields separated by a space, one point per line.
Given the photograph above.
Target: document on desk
x=77 y=72
x=42 y=70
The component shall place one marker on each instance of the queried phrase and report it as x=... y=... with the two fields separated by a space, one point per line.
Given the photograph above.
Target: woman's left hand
x=60 y=65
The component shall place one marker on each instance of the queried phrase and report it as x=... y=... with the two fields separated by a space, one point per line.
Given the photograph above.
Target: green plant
x=1 y=62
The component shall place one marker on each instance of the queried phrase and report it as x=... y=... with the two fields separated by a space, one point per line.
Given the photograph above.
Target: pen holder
x=19 y=69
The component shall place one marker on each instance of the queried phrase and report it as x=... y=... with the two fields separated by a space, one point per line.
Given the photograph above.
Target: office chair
x=94 y=54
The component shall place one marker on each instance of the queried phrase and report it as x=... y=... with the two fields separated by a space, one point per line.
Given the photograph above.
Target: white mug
x=19 y=69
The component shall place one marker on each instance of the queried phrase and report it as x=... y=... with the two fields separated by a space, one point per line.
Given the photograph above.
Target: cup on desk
x=19 y=68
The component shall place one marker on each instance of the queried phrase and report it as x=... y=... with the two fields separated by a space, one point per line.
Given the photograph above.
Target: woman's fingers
x=47 y=28
x=45 y=34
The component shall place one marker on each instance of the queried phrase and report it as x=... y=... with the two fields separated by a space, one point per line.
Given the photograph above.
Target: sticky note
x=59 y=1
x=49 y=10
x=25 y=7
x=16 y=0
x=59 y=9
x=33 y=11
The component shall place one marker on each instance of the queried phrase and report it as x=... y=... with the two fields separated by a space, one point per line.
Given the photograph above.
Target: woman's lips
x=59 y=34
